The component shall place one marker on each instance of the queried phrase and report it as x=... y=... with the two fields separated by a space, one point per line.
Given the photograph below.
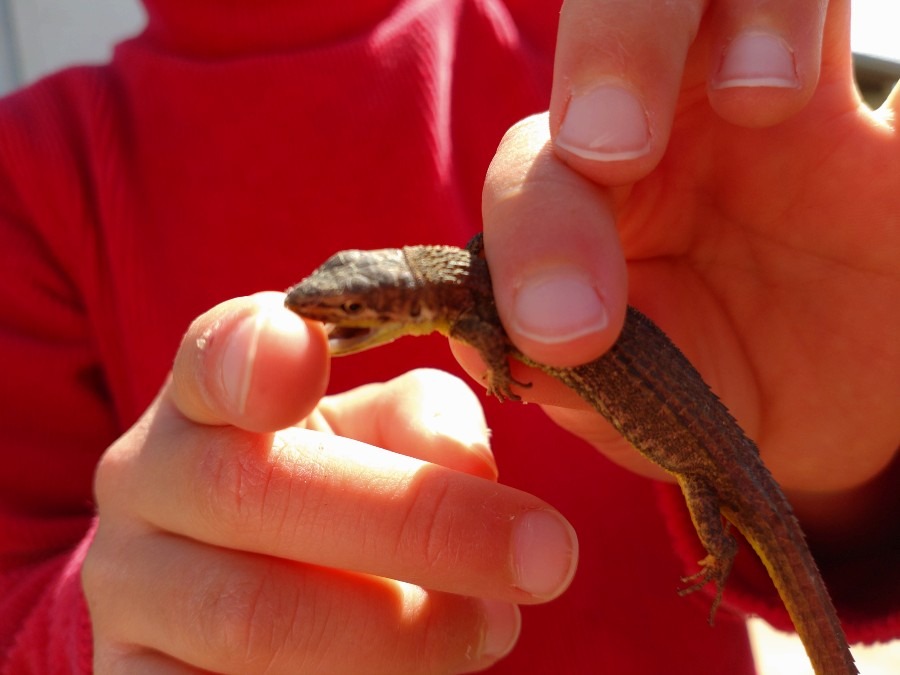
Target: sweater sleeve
x=864 y=588
x=43 y=616
x=55 y=414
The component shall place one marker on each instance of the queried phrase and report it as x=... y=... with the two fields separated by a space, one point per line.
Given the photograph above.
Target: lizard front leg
x=495 y=349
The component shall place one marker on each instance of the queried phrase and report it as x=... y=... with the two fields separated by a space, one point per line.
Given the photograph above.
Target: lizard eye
x=352 y=307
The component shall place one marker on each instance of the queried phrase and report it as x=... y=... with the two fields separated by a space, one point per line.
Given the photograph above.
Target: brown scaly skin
x=643 y=385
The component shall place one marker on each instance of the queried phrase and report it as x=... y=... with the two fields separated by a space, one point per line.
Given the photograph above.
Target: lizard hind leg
x=712 y=528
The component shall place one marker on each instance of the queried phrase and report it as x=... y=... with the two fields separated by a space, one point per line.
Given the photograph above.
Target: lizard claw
x=714 y=570
x=500 y=386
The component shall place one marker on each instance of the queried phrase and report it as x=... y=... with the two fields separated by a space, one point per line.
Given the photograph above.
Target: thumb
x=250 y=363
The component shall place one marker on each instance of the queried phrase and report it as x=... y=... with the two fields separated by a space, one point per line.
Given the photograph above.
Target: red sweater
x=228 y=149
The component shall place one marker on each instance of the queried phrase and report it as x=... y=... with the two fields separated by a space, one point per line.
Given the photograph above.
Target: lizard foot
x=500 y=386
x=714 y=570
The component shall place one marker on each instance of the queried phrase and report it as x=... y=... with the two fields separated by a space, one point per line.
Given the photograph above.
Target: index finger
x=334 y=502
x=617 y=76
x=623 y=68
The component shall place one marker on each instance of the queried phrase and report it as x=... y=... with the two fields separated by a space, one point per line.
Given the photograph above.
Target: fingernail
x=238 y=357
x=606 y=123
x=558 y=305
x=545 y=553
x=503 y=625
x=756 y=59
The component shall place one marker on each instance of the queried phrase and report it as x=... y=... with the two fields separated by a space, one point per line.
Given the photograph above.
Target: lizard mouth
x=348 y=339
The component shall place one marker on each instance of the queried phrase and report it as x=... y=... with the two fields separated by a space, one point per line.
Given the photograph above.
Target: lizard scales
x=644 y=386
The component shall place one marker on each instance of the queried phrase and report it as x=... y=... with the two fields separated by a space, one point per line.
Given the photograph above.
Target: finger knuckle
x=244 y=616
x=428 y=532
x=115 y=467
x=94 y=570
x=234 y=483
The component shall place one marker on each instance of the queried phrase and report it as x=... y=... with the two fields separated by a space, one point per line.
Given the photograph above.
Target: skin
x=202 y=511
x=759 y=231
x=201 y=494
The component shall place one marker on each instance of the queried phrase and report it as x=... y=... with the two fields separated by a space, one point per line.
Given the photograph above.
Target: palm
x=770 y=256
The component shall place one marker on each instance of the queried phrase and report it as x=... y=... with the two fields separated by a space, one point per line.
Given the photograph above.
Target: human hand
x=756 y=225
x=226 y=547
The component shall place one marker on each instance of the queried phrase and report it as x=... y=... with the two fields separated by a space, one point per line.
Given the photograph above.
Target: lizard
x=644 y=386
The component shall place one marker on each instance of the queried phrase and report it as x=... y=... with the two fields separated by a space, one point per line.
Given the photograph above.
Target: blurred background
x=40 y=36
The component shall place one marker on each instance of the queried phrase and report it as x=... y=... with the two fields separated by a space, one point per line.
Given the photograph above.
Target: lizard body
x=643 y=385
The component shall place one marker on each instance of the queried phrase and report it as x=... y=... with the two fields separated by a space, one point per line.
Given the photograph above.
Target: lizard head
x=364 y=298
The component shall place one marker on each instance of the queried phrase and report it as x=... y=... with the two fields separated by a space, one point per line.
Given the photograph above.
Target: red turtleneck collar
x=232 y=27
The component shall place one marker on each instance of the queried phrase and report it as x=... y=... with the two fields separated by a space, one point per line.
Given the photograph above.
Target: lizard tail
x=802 y=590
